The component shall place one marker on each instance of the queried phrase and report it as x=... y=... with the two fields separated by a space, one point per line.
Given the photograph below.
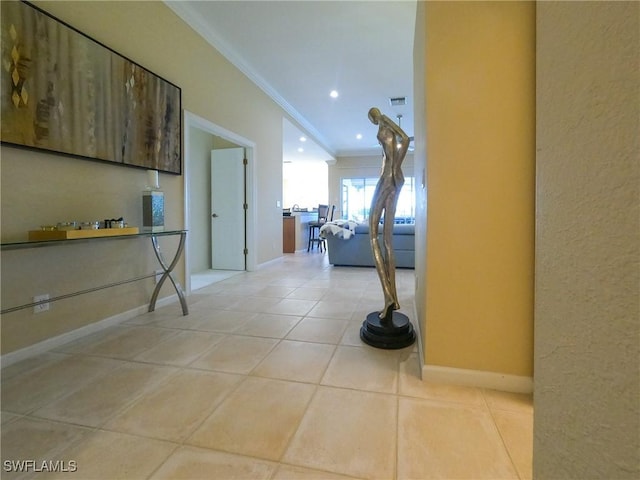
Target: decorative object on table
x=89 y=225
x=73 y=230
x=152 y=204
x=115 y=223
x=66 y=93
x=67 y=226
x=387 y=328
x=44 y=235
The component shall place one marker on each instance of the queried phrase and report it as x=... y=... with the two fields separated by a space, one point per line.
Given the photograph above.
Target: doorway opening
x=207 y=213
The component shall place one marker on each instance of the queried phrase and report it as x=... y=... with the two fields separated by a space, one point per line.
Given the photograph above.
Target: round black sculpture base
x=398 y=333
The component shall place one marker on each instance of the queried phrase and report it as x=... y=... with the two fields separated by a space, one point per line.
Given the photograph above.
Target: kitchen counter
x=302 y=220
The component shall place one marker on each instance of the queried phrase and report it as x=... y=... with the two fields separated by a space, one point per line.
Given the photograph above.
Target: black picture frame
x=64 y=92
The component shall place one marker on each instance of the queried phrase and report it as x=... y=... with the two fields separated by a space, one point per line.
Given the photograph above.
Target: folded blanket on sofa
x=340 y=228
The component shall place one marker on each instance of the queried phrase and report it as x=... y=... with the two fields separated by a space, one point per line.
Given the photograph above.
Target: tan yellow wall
x=480 y=157
x=40 y=188
x=420 y=168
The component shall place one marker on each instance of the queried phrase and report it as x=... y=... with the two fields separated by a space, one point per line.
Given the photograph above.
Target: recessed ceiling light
x=359 y=136
x=303 y=139
x=300 y=149
x=333 y=94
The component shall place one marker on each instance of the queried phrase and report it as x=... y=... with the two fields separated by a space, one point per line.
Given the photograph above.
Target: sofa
x=356 y=249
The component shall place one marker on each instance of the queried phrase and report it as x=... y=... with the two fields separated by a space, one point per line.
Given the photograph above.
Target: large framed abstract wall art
x=63 y=92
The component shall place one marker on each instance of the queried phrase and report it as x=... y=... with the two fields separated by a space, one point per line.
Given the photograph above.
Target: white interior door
x=227 y=209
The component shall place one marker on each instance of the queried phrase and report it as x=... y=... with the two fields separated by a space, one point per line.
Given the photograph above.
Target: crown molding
x=182 y=10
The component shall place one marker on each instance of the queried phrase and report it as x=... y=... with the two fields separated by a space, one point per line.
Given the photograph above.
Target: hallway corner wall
x=479 y=134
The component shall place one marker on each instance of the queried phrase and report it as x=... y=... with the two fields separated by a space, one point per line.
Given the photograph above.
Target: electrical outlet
x=43 y=307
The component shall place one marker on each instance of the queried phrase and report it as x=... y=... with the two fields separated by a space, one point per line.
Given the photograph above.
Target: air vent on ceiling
x=397 y=101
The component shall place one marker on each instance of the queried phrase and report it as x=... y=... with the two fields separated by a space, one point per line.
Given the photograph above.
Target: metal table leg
x=167 y=273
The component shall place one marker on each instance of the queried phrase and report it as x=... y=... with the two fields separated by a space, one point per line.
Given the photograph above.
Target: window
x=357 y=194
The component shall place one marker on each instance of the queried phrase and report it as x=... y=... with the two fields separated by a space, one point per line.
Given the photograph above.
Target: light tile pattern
x=266 y=378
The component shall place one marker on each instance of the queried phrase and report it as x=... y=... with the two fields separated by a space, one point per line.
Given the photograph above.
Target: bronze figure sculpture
x=395 y=144
x=387 y=328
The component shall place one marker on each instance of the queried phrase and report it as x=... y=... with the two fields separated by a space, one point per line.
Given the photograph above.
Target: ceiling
x=298 y=51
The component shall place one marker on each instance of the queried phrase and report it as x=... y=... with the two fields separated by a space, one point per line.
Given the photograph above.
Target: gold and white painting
x=64 y=92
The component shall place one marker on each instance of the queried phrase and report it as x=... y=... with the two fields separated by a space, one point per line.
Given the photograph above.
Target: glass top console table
x=167 y=267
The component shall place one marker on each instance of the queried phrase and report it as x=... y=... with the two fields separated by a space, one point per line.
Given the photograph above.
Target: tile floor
x=266 y=378
x=207 y=277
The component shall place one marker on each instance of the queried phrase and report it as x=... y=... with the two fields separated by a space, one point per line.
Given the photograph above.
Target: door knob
x=215 y=215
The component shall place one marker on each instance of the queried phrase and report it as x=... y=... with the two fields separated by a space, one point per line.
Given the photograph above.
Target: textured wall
x=587 y=396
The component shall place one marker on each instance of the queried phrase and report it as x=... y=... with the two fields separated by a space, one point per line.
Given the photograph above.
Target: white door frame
x=192 y=120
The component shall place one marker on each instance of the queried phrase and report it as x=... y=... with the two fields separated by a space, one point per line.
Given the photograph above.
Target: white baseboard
x=477 y=378
x=269 y=263
x=55 y=342
x=416 y=327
